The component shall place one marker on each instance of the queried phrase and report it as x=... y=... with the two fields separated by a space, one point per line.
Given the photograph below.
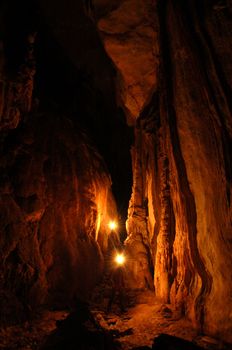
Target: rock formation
x=55 y=189
x=180 y=206
x=129 y=32
x=56 y=202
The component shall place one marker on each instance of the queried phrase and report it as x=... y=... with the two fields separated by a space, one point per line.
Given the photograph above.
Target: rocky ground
x=146 y=319
x=30 y=334
x=143 y=320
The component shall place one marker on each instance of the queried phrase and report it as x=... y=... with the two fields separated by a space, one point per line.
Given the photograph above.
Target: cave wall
x=79 y=77
x=180 y=210
x=55 y=188
x=16 y=89
x=56 y=202
x=199 y=139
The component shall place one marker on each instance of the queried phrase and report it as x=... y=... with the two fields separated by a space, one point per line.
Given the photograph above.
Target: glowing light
x=120 y=259
x=112 y=225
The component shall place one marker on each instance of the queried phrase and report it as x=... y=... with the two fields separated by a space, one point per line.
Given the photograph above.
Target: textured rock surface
x=129 y=33
x=200 y=143
x=55 y=204
x=181 y=201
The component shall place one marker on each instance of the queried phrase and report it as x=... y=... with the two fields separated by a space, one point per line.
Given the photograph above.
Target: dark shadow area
x=80 y=331
x=169 y=342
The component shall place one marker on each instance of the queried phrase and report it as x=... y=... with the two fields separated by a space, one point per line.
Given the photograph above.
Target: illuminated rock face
x=55 y=205
x=180 y=209
x=129 y=34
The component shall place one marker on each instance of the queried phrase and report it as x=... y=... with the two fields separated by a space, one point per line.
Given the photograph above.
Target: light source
x=120 y=259
x=112 y=225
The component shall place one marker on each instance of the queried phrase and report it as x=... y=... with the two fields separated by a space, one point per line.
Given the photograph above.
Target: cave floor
x=29 y=335
x=144 y=319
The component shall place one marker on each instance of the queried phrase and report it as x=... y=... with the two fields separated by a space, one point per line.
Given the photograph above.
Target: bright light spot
x=112 y=225
x=120 y=259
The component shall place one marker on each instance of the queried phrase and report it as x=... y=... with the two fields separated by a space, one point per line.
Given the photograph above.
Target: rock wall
x=56 y=201
x=180 y=210
x=55 y=189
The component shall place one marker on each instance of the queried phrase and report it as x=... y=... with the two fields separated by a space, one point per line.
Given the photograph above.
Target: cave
x=116 y=174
